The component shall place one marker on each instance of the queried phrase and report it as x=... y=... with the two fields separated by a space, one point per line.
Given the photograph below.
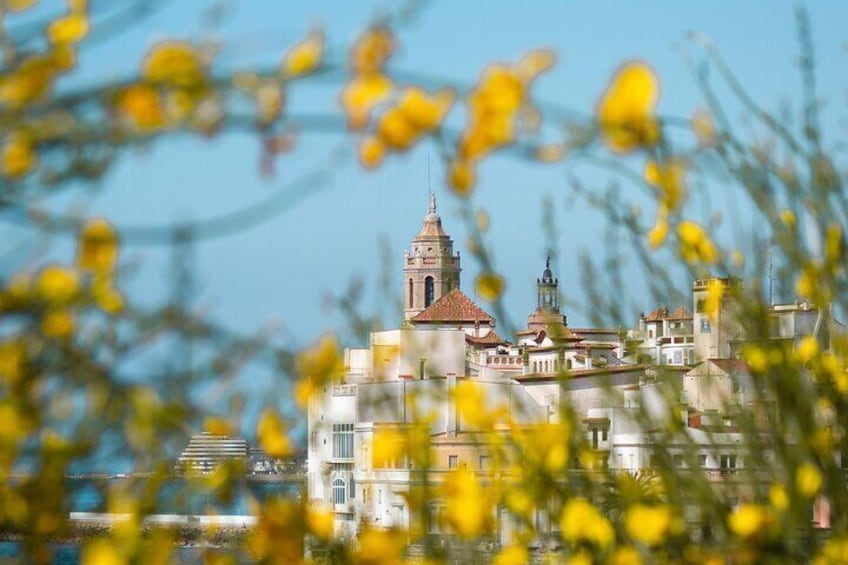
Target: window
x=678 y=357
x=342 y=441
x=429 y=291
x=452 y=461
x=339 y=491
x=594 y=438
x=409 y=293
x=604 y=434
x=728 y=463
x=351 y=488
x=702 y=461
x=485 y=463
x=650 y=334
x=678 y=460
x=705 y=325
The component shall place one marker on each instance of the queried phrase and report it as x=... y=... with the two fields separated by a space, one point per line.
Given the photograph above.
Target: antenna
x=771 y=279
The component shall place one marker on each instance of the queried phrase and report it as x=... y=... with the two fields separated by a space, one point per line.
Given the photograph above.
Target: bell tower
x=547 y=315
x=430 y=268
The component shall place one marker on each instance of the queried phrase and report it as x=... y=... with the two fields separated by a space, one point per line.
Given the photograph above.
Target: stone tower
x=430 y=268
x=547 y=315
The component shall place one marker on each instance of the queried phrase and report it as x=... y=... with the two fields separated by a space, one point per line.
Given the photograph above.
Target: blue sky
x=280 y=270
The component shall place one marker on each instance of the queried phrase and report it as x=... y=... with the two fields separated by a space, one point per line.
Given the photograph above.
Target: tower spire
x=432 y=202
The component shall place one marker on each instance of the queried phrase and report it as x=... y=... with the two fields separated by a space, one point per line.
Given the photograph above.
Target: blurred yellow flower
x=371 y=50
x=550 y=152
x=97 y=248
x=71 y=28
x=778 y=497
x=467 y=508
x=787 y=216
x=105 y=296
x=808 y=480
x=581 y=521
x=361 y=95
x=490 y=286
x=174 y=64
x=695 y=244
x=271 y=435
x=462 y=176
x=315 y=366
x=306 y=56
x=426 y=111
x=57 y=285
x=141 y=105
x=512 y=555
x=219 y=426
x=747 y=520
x=12 y=358
x=372 y=150
x=18 y=156
x=626 y=112
x=668 y=177
x=389 y=446
x=58 y=324
x=807 y=348
x=658 y=234
x=378 y=547
x=101 y=551
x=648 y=524
x=319 y=522
x=626 y=555
x=18 y=5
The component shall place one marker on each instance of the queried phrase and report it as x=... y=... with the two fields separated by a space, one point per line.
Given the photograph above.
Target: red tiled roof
x=454 y=306
x=737 y=366
x=492 y=338
x=657 y=315
x=680 y=313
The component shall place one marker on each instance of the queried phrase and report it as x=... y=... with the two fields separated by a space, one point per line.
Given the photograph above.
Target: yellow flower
x=787 y=216
x=269 y=102
x=396 y=131
x=626 y=555
x=581 y=521
x=648 y=524
x=807 y=349
x=57 y=285
x=626 y=111
x=361 y=95
x=378 y=547
x=18 y=156
x=12 y=358
x=512 y=555
x=141 y=105
x=57 y=324
x=389 y=446
x=175 y=64
x=668 y=178
x=462 y=176
x=316 y=366
x=424 y=110
x=778 y=497
x=271 y=434
x=747 y=520
x=695 y=244
x=372 y=150
x=68 y=29
x=808 y=480
x=467 y=508
x=535 y=62
x=97 y=249
x=319 y=522
x=490 y=286
x=304 y=57
x=658 y=234
x=219 y=426
x=834 y=551
x=756 y=358
x=371 y=50
x=101 y=551
x=105 y=296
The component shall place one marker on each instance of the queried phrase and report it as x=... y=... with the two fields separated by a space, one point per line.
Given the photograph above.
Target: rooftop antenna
x=771 y=279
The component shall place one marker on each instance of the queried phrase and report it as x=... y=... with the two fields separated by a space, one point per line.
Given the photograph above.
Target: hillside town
x=617 y=382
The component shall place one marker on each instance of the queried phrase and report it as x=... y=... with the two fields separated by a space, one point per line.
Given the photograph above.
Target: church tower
x=547 y=315
x=430 y=268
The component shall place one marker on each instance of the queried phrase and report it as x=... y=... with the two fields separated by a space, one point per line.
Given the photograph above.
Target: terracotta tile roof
x=454 y=306
x=737 y=366
x=657 y=315
x=680 y=313
x=492 y=338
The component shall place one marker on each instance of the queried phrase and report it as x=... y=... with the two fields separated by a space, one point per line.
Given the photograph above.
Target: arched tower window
x=428 y=291
x=338 y=491
x=409 y=293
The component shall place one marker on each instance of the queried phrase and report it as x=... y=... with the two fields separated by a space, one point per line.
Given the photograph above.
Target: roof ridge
x=455 y=306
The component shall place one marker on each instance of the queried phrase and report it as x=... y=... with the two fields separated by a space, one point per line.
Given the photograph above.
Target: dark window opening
x=429 y=291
